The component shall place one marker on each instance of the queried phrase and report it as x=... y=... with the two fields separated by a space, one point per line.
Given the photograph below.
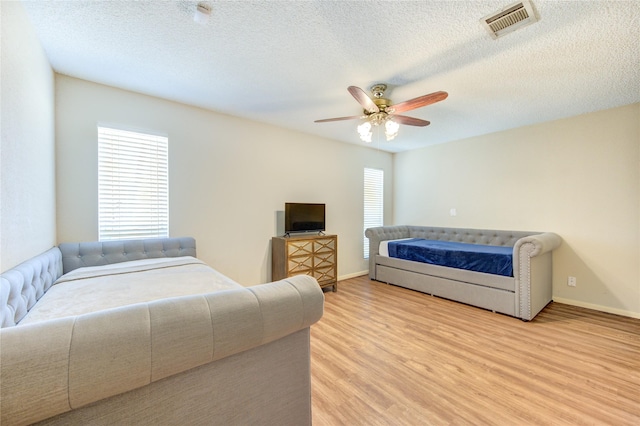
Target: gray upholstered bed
x=522 y=295
x=145 y=333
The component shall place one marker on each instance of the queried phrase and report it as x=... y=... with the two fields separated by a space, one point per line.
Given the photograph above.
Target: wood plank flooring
x=384 y=355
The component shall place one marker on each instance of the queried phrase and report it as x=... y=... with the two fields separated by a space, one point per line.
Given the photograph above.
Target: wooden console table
x=315 y=255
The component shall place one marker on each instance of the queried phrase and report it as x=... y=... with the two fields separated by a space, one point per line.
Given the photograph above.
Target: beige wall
x=27 y=175
x=578 y=177
x=229 y=177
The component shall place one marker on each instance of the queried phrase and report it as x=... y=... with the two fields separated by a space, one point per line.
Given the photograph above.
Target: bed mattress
x=97 y=288
x=495 y=260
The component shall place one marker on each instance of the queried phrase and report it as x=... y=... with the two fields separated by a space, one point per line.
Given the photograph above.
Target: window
x=133 y=185
x=373 y=202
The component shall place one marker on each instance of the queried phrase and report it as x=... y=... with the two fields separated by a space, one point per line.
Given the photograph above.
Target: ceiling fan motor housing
x=377 y=118
x=378 y=90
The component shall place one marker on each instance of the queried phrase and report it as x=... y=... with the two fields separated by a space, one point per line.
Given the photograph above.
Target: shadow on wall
x=278 y=226
x=265 y=270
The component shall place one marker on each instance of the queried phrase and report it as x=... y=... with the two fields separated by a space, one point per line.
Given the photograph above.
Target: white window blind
x=133 y=185
x=373 y=202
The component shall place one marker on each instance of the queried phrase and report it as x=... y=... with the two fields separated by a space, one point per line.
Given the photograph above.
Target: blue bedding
x=495 y=260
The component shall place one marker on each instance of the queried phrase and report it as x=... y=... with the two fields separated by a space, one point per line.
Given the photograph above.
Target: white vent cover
x=509 y=19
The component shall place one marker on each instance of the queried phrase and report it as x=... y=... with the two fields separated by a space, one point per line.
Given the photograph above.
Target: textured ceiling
x=289 y=63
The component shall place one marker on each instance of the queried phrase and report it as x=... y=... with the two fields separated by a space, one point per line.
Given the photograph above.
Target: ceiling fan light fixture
x=379 y=111
x=364 y=130
x=391 y=129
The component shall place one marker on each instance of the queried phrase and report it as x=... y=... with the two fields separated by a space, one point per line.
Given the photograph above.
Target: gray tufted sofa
x=523 y=296
x=237 y=356
x=25 y=284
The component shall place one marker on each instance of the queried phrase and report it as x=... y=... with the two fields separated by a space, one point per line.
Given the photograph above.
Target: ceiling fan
x=379 y=110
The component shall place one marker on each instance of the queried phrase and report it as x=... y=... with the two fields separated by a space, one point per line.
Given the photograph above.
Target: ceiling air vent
x=509 y=19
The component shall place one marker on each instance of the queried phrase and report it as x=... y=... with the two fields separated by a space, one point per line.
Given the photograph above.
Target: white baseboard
x=353 y=275
x=597 y=307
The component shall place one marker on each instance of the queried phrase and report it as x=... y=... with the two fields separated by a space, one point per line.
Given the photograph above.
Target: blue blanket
x=495 y=260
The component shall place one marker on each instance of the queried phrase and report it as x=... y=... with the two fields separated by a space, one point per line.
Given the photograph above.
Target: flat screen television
x=304 y=217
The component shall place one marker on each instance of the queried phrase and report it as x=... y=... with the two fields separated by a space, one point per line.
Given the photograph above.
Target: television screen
x=304 y=217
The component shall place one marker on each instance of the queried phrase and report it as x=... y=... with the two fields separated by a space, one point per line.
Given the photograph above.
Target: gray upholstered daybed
x=521 y=295
x=160 y=339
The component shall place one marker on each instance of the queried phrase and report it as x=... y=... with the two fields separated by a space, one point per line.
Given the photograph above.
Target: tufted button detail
x=102 y=255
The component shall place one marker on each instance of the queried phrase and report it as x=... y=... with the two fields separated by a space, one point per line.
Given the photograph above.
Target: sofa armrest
x=382 y=233
x=23 y=285
x=55 y=366
x=532 y=270
x=542 y=243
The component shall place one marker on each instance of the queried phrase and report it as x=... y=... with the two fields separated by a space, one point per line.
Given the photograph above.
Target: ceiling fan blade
x=410 y=121
x=363 y=99
x=353 y=117
x=418 y=102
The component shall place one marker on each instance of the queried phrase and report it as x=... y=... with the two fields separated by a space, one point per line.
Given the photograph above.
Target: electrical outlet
x=453 y=211
x=571 y=281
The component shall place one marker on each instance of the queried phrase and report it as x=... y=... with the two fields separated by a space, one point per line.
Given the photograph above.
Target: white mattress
x=97 y=288
x=383 y=250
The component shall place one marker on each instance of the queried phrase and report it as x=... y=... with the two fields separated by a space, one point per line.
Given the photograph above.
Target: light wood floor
x=384 y=355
